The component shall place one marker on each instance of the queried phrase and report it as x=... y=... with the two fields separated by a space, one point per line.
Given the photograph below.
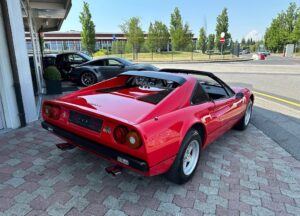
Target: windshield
x=126 y=62
x=86 y=56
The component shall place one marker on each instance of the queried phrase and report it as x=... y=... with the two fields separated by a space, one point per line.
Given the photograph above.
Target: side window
x=199 y=96
x=213 y=88
x=112 y=62
x=97 y=63
x=76 y=58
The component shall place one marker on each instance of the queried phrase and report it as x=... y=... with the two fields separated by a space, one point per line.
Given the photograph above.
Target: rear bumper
x=106 y=152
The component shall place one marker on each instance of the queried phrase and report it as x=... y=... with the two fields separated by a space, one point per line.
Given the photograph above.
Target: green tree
x=118 y=47
x=158 y=36
x=243 y=42
x=276 y=35
x=290 y=18
x=134 y=34
x=222 y=26
x=181 y=35
x=283 y=29
x=296 y=31
x=202 y=40
x=211 y=42
x=88 y=34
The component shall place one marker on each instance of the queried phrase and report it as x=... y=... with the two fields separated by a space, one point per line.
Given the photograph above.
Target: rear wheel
x=87 y=79
x=244 y=122
x=187 y=158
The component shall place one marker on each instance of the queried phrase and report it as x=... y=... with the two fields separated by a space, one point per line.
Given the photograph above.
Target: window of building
x=53 y=45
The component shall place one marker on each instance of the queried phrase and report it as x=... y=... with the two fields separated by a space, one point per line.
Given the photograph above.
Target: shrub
x=52 y=73
x=101 y=52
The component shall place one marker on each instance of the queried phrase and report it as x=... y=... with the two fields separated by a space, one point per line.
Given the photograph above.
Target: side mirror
x=239 y=95
x=122 y=66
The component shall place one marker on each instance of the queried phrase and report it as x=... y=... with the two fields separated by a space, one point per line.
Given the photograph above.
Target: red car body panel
x=161 y=126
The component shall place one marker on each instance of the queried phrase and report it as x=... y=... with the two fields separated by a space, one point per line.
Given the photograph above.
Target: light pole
x=222 y=40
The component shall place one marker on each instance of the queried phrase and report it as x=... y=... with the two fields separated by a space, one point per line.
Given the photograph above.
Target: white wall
x=17 y=26
x=1 y=115
x=7 y=93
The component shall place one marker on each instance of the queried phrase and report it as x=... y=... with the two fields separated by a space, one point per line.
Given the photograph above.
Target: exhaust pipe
x=65 y=146
x=114 y=170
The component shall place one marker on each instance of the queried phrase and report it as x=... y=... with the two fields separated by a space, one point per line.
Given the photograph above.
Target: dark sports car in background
x=97 y=70
x=65 y=61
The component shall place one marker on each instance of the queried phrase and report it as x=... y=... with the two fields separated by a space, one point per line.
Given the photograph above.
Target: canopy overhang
x=48 y=15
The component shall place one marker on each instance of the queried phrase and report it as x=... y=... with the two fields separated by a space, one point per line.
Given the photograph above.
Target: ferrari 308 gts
x=150 y=122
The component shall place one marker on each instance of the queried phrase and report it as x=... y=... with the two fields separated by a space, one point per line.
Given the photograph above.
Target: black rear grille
x=85 y=121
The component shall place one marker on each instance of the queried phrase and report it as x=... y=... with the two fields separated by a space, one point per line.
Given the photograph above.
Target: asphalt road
x=275 y=60
x=276 y=85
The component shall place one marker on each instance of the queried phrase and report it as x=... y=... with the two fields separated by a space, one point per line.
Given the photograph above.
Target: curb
x=192 y=62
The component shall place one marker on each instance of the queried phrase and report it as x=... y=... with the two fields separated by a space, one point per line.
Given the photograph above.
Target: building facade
x=55 y=42
x=71 y=41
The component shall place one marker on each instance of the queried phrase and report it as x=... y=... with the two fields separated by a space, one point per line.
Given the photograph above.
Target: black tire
x=176 y=173
x=243 y=124
x=87 y=79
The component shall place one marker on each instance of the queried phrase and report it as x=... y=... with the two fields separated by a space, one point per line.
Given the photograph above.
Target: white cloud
x=254 y=35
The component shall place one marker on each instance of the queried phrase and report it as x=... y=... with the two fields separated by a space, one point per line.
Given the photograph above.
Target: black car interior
x=214 y=91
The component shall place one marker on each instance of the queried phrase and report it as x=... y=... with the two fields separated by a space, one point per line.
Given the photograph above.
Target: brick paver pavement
x=243 y=173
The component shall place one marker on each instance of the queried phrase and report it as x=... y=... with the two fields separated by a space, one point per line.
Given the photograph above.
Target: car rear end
x=107 y=137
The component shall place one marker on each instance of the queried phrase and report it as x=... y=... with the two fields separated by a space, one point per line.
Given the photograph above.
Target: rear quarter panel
x=164 y=136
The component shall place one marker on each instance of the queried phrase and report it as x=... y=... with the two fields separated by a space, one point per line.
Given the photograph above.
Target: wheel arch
x=84 y=70
x=200 y=127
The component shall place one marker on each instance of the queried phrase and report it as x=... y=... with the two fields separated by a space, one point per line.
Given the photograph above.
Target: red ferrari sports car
x=150 y=122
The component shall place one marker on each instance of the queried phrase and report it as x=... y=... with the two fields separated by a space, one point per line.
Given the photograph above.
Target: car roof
x=110 y=57
x=64 y=53
x=49 y=55
x=185 y=71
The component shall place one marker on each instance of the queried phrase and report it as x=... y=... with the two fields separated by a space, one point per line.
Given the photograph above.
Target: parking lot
x=242 y=173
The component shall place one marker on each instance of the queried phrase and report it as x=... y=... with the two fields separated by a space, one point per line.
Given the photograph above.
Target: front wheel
x=187 y=158
x=244 y=122
x=87 y=79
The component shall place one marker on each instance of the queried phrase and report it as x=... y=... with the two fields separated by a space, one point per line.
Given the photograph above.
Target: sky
x=246 y=18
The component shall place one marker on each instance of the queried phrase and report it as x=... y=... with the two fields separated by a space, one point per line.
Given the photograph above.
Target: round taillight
x=120 y=133
x=47 y=110
x=55 y=113
x=133 y=140
x=52 y=111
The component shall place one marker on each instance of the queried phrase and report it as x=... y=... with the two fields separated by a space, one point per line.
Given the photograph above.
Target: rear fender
x=163 y=135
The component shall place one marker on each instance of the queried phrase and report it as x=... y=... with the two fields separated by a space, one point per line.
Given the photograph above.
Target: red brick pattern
x=243 y=173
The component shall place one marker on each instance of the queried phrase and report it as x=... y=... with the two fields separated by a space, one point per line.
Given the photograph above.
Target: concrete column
x=20 y=60
x=10 y=118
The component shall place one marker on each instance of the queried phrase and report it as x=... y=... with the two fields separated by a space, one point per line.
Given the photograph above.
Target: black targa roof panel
x=186 y=71
x=157 y=75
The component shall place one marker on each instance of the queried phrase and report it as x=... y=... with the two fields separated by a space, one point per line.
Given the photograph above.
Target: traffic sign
x=222 y=40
